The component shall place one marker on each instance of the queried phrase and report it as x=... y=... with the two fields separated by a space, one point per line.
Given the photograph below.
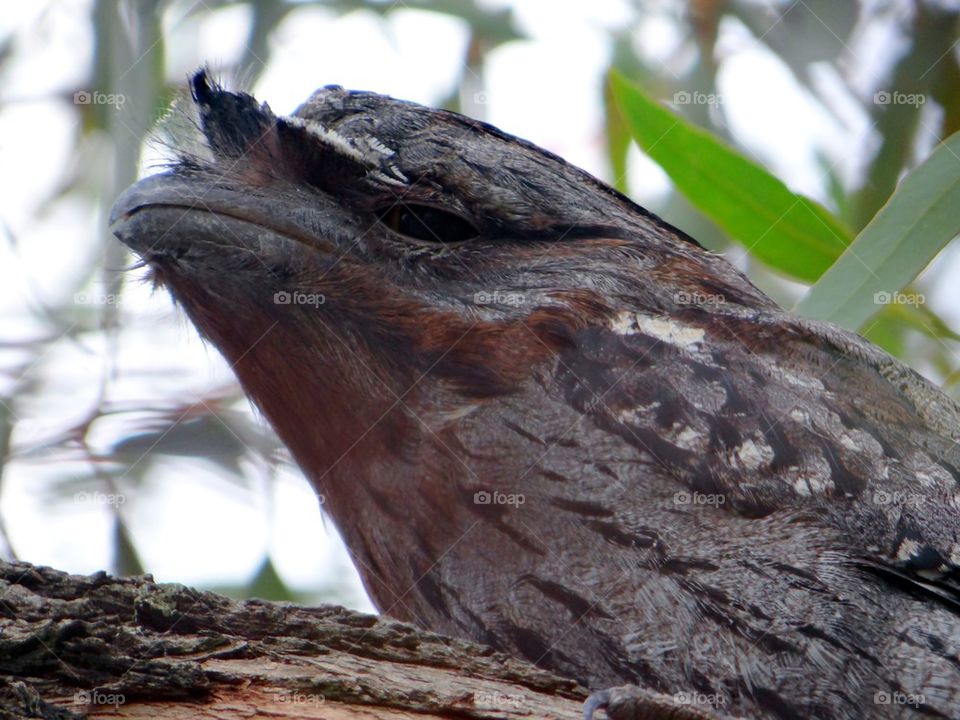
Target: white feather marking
x=328 y=137
x=664 y=329
x=670 y=331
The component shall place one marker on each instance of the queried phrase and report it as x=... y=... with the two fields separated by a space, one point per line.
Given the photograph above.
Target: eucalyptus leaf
x=787 y=231
x=918 y=220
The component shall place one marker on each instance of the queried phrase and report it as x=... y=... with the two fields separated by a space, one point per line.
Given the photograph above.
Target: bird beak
x=176 y=215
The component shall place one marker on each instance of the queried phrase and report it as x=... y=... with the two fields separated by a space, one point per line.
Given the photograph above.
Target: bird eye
x=422 y=222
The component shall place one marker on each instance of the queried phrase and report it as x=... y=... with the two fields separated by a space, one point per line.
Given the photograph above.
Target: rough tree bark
x=75 y=646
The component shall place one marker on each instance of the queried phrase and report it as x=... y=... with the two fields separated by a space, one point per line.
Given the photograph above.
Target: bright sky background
x=197 y=526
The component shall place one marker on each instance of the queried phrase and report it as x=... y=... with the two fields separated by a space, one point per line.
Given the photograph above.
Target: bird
x=545 y=420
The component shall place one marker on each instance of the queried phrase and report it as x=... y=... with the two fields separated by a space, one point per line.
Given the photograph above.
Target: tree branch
x=76 y=646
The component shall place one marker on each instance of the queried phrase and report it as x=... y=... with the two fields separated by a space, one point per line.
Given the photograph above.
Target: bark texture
x=98 y=646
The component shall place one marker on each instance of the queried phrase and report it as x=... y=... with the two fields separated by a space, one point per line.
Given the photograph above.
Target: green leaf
x=924 y=320
x=789 y=232
x=918 y=220
x=618 y=142
x=267 y=583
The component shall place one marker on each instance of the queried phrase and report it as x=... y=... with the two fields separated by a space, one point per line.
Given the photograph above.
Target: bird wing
x=759 y=411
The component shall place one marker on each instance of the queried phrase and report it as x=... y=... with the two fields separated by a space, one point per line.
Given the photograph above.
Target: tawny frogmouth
x=546 y=420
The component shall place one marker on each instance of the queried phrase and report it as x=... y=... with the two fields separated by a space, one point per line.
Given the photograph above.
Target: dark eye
x=421 y=222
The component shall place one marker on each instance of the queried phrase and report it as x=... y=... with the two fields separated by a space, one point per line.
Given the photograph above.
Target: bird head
x=398 y=225
x=366 y=252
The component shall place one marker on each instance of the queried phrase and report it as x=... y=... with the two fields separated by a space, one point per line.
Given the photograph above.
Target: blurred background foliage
x=914 y=51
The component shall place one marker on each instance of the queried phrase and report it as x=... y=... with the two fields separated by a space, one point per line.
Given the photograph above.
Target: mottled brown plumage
x=544 y=419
